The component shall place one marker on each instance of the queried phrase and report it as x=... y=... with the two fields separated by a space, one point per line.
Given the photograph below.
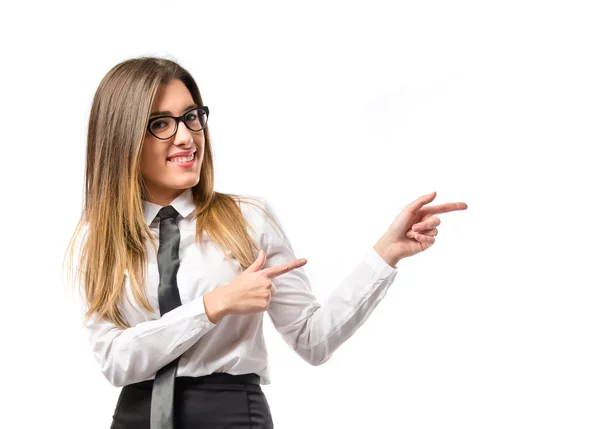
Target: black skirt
x=216 y=401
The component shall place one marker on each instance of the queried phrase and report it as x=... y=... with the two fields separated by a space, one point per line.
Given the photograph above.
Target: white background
x=340 y=114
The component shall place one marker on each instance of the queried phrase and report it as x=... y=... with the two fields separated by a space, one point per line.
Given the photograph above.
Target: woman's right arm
x=135 y=354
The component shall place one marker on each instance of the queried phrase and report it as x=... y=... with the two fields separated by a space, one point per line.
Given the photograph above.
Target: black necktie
x=161 y=405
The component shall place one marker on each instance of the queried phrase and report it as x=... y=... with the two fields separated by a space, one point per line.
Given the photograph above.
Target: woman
x=175 y=277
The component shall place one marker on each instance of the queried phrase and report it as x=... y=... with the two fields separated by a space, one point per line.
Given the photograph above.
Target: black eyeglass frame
x=177 y=120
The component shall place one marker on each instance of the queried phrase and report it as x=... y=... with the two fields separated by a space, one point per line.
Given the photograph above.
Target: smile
x=183 y=159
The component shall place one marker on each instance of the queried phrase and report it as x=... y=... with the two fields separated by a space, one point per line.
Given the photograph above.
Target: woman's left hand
x=414 y=229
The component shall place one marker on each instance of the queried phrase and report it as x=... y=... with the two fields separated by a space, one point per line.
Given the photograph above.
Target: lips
x=181 y=154
x=183 y=159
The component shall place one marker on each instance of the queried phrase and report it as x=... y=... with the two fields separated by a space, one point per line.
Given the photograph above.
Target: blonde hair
x=110 y=235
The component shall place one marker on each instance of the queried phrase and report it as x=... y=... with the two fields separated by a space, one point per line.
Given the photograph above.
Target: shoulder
x=259 y=212
x=254 y=208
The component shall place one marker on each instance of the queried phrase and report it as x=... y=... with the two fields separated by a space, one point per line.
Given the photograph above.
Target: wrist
x=383 y=248
x=215 y=306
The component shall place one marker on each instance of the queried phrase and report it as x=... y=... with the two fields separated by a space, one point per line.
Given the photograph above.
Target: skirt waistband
x=214 y=378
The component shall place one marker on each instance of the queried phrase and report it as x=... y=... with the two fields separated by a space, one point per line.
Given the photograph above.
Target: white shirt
x=235 y=344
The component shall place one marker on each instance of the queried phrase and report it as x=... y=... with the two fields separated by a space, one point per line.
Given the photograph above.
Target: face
x=164 y=174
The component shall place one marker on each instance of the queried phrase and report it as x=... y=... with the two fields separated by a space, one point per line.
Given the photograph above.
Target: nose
x=183 y=135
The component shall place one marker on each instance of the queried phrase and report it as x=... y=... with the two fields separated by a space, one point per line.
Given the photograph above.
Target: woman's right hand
x=250 y=292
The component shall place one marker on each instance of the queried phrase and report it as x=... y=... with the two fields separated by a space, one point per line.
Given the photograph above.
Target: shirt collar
x=184 y=204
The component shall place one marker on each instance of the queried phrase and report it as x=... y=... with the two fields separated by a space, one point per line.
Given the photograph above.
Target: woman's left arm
x=316 y=330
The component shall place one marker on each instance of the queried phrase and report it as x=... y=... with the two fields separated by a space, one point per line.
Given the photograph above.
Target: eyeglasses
x=165 y=127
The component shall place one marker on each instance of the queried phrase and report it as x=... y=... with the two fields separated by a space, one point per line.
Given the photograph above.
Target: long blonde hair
x=110 y=235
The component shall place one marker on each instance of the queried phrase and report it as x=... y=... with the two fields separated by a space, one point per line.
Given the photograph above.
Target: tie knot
x=167 y=212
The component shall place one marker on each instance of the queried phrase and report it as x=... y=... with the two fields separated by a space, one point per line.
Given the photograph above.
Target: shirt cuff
x=196 y=310
x=382 y=268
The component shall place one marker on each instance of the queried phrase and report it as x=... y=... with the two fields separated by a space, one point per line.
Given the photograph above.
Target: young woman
x=175 y=278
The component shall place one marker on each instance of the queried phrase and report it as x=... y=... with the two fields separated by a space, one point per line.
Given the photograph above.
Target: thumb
x=260 y=261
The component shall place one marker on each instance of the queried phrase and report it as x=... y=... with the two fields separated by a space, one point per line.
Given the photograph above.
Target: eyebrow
x=167 y=112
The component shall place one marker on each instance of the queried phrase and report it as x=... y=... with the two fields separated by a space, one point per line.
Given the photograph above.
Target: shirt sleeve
x=315 y=330
x=135 y=354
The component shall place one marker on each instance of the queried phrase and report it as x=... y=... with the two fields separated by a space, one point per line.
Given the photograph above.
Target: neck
x=164 y=199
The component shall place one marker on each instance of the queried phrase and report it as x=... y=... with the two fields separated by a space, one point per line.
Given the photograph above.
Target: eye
x=191 y=116
x=158 y=125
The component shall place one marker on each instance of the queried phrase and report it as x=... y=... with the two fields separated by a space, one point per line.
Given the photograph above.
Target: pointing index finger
x=278 y=270
x=443 y=208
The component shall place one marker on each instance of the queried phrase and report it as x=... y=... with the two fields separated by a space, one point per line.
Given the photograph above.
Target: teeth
x=182 y=158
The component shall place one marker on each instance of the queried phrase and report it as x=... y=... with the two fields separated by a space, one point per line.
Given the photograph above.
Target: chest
x=202 y=268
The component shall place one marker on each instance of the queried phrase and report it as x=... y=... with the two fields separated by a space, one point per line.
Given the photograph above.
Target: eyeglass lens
x=165 y=127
